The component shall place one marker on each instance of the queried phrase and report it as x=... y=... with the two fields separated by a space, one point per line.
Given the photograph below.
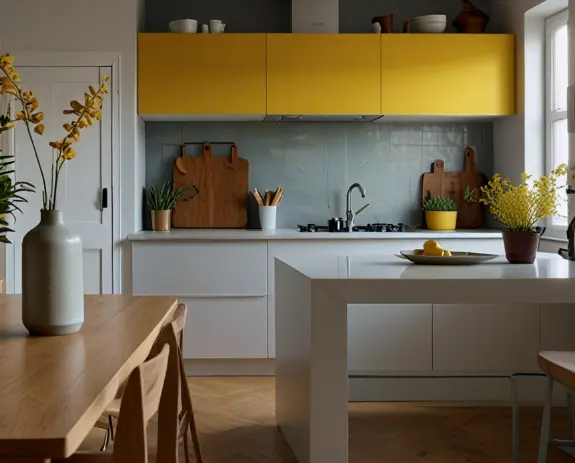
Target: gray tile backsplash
x=317 y=162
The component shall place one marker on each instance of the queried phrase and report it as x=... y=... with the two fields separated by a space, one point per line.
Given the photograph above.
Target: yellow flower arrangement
x=520 y=207
x=32 y=118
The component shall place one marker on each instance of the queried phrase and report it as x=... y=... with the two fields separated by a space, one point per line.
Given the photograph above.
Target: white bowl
x=184 y=26
x=430 y=27
x=431 y=18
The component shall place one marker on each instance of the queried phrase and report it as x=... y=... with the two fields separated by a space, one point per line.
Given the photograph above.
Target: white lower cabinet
x=485 y=338
x=389 y=338
x=226 y=328
x=272 y=326
x=557 y=322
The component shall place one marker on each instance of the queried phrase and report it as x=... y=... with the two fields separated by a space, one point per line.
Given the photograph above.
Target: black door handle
x=104 y=198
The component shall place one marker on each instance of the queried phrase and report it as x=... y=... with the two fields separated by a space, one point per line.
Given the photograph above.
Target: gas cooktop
x=372 y=227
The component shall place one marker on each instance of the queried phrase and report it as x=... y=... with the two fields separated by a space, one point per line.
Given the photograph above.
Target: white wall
x=87 y=25
x=518 y=144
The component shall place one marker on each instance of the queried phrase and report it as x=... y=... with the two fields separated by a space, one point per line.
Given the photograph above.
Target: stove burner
x=372 y=228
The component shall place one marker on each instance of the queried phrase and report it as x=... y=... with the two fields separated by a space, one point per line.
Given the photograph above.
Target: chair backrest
x=140 y=402
x=179 y=322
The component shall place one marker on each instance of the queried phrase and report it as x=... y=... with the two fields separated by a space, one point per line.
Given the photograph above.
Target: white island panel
x=485 y=338
x=383 y=339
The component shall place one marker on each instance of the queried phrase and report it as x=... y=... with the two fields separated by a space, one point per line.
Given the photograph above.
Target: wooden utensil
x=268 y=198
x=222 y=181
x=258 y=197
x=277 y=197
x=453 y=185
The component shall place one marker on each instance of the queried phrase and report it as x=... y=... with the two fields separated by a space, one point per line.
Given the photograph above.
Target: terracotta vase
x=161 y=220
x=52 y=281
x=521 y=247
x=386 y=23
x=471 y=20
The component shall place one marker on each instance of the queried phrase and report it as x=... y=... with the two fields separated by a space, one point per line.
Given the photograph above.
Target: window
x=556 y=135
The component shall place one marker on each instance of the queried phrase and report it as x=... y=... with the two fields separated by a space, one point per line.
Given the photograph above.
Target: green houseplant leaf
x=165 y=197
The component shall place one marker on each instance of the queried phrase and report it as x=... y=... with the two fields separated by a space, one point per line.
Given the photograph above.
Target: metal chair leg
x=546 y=423
x=515 y=419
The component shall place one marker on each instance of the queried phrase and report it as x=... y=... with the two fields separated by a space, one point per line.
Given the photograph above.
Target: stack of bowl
x=430 y=24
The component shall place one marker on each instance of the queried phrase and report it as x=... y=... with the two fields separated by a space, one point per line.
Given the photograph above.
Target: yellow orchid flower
x=69 y=154
x=39 y=129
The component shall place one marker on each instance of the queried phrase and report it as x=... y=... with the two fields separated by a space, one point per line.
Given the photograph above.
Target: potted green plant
x=440 y=213
x=162 y=200
x=10 y=196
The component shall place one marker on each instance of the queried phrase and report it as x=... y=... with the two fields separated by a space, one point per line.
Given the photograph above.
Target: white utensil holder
x=268 y=217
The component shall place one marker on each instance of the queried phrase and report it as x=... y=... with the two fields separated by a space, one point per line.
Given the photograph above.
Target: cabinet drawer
x=199 y=268
x=389 y=338
x=485 y=338
x=225 y=328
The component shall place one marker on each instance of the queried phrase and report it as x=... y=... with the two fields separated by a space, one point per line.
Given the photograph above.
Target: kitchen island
x=312 y=299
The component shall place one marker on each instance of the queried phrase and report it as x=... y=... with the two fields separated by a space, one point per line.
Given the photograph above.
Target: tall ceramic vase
x=52 y=282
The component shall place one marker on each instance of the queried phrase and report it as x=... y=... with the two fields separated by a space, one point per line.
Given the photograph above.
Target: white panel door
x=83 y=179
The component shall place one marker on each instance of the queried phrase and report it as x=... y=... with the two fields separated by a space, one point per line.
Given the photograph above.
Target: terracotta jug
x=471 y=20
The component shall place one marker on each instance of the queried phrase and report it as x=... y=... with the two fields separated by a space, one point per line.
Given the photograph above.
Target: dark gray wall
x=275 y=15
x=239 y=15
x=316 y=162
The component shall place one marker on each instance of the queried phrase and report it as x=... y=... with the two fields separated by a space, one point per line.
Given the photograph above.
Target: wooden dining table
x=54 y=389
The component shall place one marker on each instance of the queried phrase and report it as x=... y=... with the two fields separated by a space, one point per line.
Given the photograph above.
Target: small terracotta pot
x=161 y=220
x=521 y=247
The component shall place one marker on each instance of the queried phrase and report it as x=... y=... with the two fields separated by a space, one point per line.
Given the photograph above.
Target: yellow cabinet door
x=323 y=74
x=204 y=74
x=448 y=74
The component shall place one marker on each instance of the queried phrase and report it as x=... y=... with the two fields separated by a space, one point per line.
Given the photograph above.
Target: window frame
x=552 y=23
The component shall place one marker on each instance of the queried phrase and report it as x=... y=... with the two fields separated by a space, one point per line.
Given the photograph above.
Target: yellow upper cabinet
x=203 y=74
x=448 y=74
x=323 y=74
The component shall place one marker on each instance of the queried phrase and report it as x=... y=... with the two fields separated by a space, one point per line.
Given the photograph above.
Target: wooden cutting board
x=222 y=181
x=452 y=185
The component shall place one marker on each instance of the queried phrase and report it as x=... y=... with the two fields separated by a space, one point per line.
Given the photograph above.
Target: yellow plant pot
x=441 y=220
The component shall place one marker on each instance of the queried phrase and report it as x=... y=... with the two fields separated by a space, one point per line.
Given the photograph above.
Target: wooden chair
x=186 y=419
x=559 y=367
x=141 y=400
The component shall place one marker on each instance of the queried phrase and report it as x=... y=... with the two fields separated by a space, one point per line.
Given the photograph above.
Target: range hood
x=322 y=118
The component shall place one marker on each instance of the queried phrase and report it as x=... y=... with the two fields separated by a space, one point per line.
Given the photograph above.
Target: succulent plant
x=436 y=203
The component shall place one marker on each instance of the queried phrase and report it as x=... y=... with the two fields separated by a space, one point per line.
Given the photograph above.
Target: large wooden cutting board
x=452 y=185
x=222 y=181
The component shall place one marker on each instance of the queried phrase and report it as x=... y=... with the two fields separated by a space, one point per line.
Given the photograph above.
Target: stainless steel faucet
x=349 y=212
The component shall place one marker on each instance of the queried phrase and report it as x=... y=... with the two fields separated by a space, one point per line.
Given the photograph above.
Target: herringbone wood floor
x=236 y=424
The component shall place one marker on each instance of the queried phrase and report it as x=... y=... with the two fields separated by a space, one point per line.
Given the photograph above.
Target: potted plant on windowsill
x=440 y=213
x=520 y=208
x=162 y=200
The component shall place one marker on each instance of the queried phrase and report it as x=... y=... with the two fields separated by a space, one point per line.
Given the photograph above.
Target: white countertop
x=389 y=279
x=289 y=234
x=390 y=267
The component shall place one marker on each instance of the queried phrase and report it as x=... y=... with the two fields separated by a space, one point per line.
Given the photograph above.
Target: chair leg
x=111 y=427
x=106 y=440
x=186 y=448
x=570 y=414
x=546 y=423
x=195 y=439
x=515 y=419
